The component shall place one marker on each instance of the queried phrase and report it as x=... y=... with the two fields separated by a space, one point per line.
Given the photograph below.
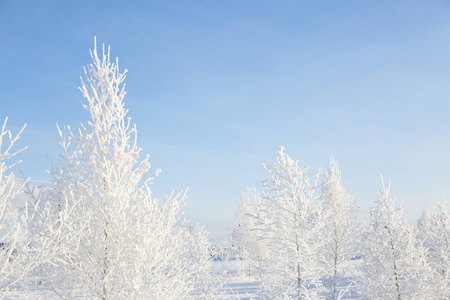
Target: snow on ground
x=234 y=271
x=238 y=287
x=241 y=285
x=242 y=288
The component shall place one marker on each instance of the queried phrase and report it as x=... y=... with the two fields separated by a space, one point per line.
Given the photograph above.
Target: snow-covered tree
x=434 y=231
x=113 y=239
x=341 y=233
x=291 y=225
x=208 y=279
x=16 y=259
x=247 y=230
x=394 y=264
x=12 y=231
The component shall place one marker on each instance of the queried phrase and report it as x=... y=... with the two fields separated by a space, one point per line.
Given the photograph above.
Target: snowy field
x=238 y=284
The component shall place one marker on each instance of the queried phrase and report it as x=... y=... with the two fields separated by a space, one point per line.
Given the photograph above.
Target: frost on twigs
x=342 y=233
x=394 y=264
x=208 y=276
x=291 y=226
x=247 y=232
x=113 y=239
x=434 y=233
x=16 y=258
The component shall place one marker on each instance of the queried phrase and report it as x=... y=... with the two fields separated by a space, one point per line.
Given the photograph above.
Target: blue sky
x=215 y=87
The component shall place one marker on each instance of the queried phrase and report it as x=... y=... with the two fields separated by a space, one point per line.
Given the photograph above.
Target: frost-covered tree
x=292 y=226
x=434 y=231
x=395 y=266
x=113 y=239
x=341 y=233
x=208 y=279
x=16 y=258
x=247 y=229
x=12 y=231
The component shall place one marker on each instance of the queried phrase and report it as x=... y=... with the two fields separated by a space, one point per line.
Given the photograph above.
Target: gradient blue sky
x=216 y=86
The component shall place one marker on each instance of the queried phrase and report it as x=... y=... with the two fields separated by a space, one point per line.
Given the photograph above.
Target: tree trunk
x=299 y=274
x=105 y=267
x=336 y=252
x=299 y=282
x=397 y=280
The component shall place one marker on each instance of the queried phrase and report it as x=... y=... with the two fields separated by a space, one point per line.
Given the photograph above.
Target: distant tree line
x=304 y=240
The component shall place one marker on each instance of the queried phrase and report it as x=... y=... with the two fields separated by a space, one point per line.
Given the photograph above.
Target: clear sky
x=215 y=87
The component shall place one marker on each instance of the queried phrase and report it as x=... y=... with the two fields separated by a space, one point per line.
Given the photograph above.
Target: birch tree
x=292 y=226
x=434 y=231
x=208 y=278
x=342 y=232
x=11 y=229
x=114 y=240
x=17 y=259
x=247 y=229
x=395 y=266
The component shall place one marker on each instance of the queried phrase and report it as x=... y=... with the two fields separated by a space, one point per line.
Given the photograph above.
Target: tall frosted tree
x=292 y=226
x=394 y=264
x=342 y=232
x=434 y=232
x=113 y=239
